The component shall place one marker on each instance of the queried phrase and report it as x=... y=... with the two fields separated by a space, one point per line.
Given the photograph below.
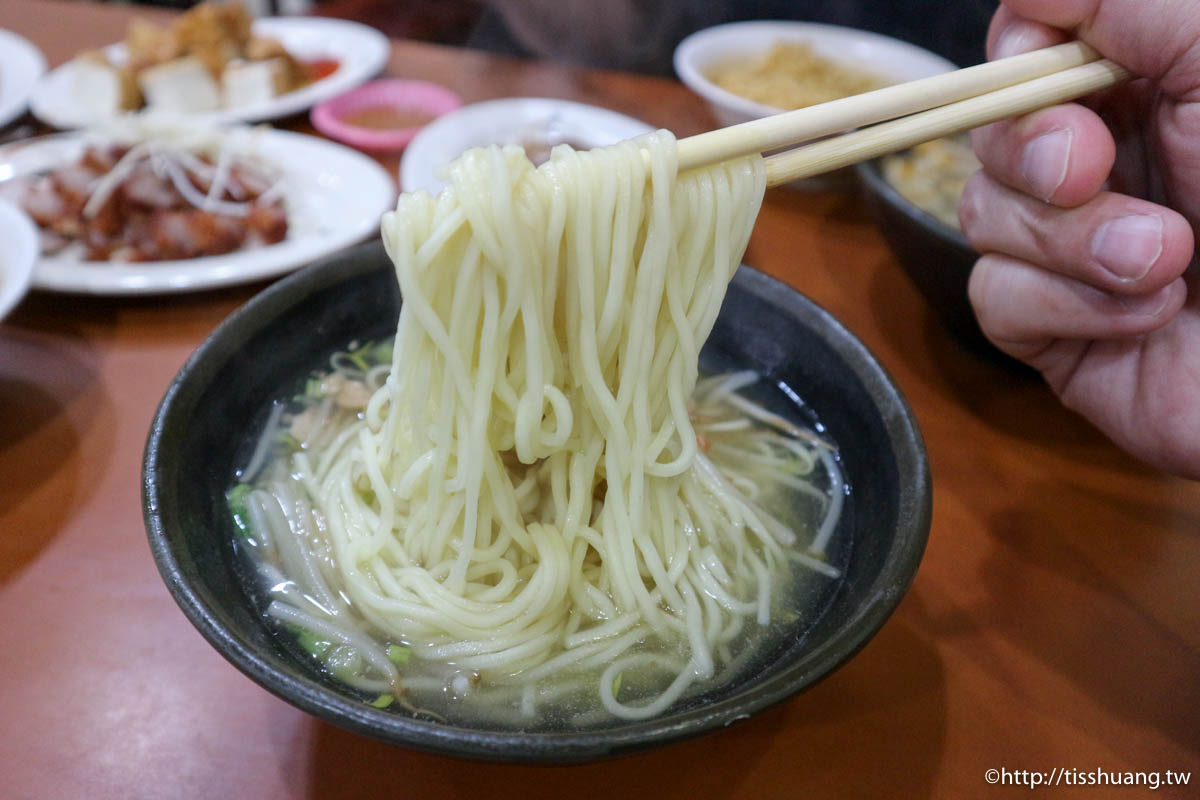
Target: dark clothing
x=955 y=30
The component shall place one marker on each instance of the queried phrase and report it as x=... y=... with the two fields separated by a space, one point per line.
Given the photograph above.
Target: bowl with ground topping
x=913 y=197
x=746 y=70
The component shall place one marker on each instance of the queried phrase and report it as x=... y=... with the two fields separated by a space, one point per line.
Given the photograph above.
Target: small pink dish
x=383 y=114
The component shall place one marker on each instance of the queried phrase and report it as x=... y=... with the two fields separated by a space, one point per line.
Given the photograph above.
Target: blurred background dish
x=932 y=175
x=748 y=70
x=333 y=196
x=21 y=65
x=338 y=54
x=17 y=255
x=383 y=115
x=535 y=123
x=911 y=196
x=814 y=62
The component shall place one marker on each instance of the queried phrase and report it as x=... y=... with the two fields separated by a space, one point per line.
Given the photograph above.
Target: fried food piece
x=268 y=222
x=293 y=73
x=104 y=87
x=188 y=233
x=245 y=83
x=183 y=85
x=148 y=44
x=210 y=24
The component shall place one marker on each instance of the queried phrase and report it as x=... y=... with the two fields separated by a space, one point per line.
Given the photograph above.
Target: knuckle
x=971 y=204
x=993 y=290
x=980 y=291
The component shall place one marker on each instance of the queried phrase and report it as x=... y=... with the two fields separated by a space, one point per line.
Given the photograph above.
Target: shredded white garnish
x=175 y=150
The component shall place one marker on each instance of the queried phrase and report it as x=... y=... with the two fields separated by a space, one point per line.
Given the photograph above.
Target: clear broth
x=435 y=689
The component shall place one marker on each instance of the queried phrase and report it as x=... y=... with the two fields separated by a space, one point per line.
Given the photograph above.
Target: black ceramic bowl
x=213 y=405
x=934 y=255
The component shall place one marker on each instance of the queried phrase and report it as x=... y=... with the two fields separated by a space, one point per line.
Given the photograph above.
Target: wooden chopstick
x=802 y=125
x=888 y=137
x=927 y=109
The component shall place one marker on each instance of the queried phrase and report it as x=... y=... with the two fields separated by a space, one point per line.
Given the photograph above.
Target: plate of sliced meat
x=154 y=206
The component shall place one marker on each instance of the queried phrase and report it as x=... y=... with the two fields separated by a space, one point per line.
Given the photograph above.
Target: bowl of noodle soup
x=459 y=497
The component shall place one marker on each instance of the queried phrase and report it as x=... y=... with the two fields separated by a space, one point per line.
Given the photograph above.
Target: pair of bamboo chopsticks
x=917 y=111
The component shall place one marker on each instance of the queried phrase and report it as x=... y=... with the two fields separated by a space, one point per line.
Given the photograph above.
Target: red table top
x=1055 y=621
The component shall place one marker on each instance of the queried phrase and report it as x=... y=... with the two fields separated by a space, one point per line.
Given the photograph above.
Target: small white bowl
x=872 y=52
x=512 y=120
x=18 y=255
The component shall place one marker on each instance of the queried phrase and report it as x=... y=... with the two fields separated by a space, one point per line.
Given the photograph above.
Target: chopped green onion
x=236 y=500
x=383 y=351
x=616 y=684
x=398 y=653
x=358 y=356
x=290 y=443
x=343 y=662
x=311 y=643
x=383 y=701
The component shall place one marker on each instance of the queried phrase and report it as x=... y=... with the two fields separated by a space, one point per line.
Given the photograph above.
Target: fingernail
x=1045 y=160
x=1146 y=305
x=1013 y=40
x=1128 y=246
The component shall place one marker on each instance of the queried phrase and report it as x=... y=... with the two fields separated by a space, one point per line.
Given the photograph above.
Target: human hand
x=1085 y=217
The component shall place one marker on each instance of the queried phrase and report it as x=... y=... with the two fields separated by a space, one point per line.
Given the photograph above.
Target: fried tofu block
x=260 y=48
x=246 y=83
x=215 y=57
x=148 y=45
x=102 y=88
x=210 y=23
x=183 y=85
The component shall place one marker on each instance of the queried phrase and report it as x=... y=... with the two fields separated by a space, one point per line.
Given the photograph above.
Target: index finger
x=1153 y=38
x=1010 y=35
x=1060 y=155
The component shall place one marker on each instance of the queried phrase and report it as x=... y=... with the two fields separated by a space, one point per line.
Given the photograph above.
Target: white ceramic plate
x=513 y=120
x=360 y=50
x=21 y=64
x=18 y=253
x=335 y=197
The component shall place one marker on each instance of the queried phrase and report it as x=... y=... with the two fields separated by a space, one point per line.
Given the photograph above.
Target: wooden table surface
x=1054 y=623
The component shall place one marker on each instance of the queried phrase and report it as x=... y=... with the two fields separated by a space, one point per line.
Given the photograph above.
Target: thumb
x=1157 y=39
